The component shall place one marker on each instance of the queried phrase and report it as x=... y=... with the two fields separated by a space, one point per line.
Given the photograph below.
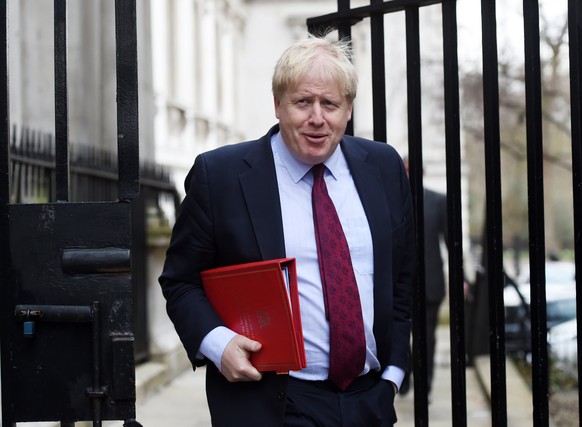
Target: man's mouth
x=315 y=137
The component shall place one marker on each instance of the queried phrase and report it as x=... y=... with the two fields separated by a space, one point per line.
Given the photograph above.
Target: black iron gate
x=492 y=282
x=65 y=268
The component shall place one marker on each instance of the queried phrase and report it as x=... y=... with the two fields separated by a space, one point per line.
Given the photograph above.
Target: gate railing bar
x=351 y=16
x=419 y=344
x=97 y=393
x=378 y=76
x=455 y=227
x=5 y=315
x=4 y=119
x=575 y=35
x=344 y=28
x=127 y=99
x=321 y=27
x=345 y=32
x=535 y=179
x=494 y=234
x=61 y=101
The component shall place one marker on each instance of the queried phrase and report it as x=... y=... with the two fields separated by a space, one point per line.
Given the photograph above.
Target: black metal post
x=378 y=75
x=535 y=174
x=455 y=227
x=419 y=344
x=575 y=42
x=5 y=312
x=494 y=236
x=127 y=99
x=345 y=33
x=61 y=101
x=97 y=393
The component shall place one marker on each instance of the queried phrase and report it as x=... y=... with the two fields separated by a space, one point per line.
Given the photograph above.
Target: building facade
x=205 y=71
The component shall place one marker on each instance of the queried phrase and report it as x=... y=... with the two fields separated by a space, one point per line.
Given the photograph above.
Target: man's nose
x=316 y=114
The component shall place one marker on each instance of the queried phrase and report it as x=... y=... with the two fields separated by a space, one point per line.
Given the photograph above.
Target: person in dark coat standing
x=435 y=230
x=435 y=235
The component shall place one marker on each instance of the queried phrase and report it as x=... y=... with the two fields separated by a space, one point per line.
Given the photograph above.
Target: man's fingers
x=236 y=365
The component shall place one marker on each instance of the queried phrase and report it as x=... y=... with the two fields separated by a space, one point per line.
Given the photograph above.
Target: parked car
x=556 y=272
x=563 y=342
x=560 y=304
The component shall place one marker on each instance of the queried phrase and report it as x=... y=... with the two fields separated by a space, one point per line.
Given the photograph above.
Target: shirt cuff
x=214 y=343
x=394 y=374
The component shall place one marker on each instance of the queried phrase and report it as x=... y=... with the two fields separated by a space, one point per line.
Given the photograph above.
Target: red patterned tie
x=342 y=300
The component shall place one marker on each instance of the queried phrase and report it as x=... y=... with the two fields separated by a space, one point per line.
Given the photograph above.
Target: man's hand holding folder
x=260 y=301
x=239 y=356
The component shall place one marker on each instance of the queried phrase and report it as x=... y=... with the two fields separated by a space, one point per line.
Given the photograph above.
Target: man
x=435 y=232
x=253 y=201
x=435 y=220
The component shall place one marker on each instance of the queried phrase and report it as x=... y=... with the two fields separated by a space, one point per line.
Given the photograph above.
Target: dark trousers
x=432 y=318
x=368 y=402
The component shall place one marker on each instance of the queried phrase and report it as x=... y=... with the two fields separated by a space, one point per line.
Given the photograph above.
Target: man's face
x=313 y=117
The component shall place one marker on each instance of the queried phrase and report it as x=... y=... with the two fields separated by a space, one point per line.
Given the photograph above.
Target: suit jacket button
x=281 y=395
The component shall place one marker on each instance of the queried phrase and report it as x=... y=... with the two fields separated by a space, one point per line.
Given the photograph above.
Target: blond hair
x=297 y=60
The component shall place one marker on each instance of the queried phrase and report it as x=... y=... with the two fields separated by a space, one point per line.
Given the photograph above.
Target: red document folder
x=260 y=300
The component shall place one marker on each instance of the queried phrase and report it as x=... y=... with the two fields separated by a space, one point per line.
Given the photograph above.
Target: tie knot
x=317 y=171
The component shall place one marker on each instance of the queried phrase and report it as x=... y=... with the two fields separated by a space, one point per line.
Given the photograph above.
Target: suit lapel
x=368 y=181
x=261 y=193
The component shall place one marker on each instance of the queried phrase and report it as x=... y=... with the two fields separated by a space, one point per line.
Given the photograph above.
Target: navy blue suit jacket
x=231 y=214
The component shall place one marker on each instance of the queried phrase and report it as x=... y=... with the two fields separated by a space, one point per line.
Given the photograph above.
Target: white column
x=208 y=65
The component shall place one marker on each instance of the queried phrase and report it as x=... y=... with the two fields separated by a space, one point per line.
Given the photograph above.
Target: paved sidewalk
x=183 y=402
x=440 y=407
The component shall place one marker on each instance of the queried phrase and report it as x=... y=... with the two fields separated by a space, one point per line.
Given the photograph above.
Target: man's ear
x=277 y=104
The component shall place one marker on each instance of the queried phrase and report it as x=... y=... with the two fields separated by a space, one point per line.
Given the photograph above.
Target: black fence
x=94 y=178
x=487 y=319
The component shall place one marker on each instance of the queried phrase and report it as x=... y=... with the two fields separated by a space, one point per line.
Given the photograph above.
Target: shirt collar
x=298 y=169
